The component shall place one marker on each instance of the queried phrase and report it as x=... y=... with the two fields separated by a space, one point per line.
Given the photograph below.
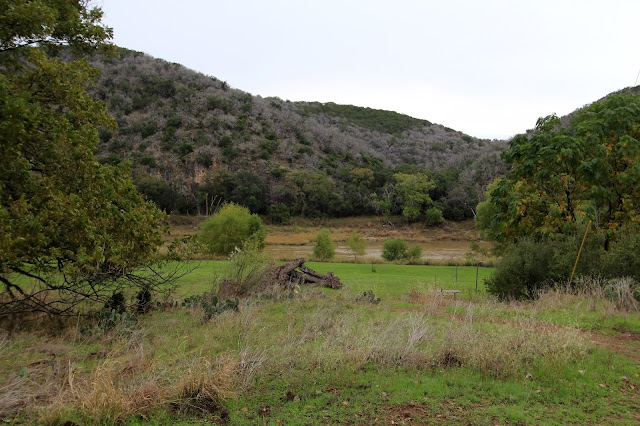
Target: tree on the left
x=72 y=231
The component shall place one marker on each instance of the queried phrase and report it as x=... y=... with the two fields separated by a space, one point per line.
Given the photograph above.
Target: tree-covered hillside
x=192 y=139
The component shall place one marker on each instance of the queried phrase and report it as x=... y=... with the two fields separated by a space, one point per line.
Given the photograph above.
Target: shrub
x=324 y=249
x=433 y=216
x=111 y=159
x=525 y=268
x=394 y=249
x=184 y=150
x=210 y=305
x=623 y=258
x=174 y=122
x=414 y=253
x=148 y=160
x=148 y=128
x=529 y=265
x=232 y=226
x=246 y=269
x=356 y=244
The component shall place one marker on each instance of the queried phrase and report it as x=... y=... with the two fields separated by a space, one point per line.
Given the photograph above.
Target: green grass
x=388 y=280
x=322 y=357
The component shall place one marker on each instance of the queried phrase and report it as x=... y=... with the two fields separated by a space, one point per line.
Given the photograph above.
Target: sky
x=488 y=68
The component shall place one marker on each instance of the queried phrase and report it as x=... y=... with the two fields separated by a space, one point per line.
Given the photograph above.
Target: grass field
x=384 y=279
x=321 y=357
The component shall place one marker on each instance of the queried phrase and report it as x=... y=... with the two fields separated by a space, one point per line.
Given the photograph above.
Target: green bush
x=148 y=160
x=148 y=128
x=230 y=228
x=623 y=257
x=246 y=271
x=414 y=253
x=394 y=249
x=324 y=249
x=368 y=297
x=433 y=216
x=210 y=305
x=526 y=267
x=356 y=244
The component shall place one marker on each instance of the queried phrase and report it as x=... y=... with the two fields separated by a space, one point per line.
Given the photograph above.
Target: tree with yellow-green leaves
x=72 y=230
x=564 y=176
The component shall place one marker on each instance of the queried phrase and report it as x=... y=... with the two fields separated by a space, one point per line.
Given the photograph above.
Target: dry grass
x=443 y=245
x=108 y=386
x=176 y=363
x=607 y=296
x=371 y=228
x=330 y=336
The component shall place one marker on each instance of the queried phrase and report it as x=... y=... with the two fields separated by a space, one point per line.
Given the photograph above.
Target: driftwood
x=285 y=277
x=297 y=273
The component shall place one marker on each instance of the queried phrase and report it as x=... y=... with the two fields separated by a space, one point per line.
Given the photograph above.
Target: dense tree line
x=365 y=189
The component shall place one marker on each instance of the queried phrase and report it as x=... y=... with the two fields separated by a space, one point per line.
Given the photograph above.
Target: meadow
x=320 y=356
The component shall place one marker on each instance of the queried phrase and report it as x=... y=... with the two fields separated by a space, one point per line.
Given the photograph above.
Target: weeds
x=368 y=297
x=607 y=295
x=210 y=304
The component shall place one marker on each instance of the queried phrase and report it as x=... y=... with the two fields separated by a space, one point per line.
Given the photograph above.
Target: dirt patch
x=413 y=413
x=618 y=343
x=628 y=335
x=435 y=250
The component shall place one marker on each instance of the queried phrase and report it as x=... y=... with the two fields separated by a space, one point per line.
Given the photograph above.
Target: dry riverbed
x=449 y=243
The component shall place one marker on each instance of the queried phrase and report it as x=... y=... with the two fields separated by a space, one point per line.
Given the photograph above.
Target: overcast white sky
x=487 y=68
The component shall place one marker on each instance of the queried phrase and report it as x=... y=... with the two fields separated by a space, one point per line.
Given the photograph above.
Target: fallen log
x=297 y=273
x=285 y=277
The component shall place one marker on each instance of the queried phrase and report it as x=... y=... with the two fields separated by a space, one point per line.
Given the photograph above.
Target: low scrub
x=529 y=266
x=397 y=249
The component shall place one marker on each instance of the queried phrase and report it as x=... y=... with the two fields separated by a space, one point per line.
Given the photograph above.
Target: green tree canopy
x=230 y=228
x=413 y=193
x=562 y=176
x=72 y=229
x=311 y=194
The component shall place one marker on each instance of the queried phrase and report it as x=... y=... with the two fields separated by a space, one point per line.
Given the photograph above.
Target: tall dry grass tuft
x=608 y=296
x=205 y=385
x=113 y=392
x=432 y=300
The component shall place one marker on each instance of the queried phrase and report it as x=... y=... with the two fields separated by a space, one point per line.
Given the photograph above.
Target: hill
x=191 y=139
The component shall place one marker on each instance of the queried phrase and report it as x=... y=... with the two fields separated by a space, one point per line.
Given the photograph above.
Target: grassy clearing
x=383 y=279
x=321 y=357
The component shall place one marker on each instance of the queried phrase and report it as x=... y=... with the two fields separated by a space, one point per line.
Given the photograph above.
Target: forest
x=192 y=140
